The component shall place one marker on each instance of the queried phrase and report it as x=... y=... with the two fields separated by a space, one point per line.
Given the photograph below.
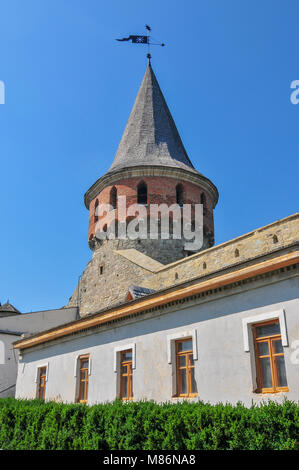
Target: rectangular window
x=270 y=364
x=83 y=379
x=126 y=375
x=42 y=383
x=186 y=385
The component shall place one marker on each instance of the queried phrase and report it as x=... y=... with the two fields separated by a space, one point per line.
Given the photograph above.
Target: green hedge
x=147 y=425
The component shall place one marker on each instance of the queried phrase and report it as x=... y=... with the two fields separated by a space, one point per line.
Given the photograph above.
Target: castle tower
x=151 y=166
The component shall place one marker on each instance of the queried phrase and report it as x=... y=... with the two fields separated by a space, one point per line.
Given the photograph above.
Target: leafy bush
x=147 y=426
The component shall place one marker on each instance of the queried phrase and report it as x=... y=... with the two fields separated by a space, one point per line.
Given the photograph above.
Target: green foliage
x=147 y=425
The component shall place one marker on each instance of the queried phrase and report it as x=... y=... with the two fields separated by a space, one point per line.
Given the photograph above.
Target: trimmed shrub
x=147 y=425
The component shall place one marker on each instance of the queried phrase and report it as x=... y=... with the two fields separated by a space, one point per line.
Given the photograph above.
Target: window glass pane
x=263 y=348
x=84 y=364
x=281 y=371
x=268 y=330
x=82 y=391
x=124 y=369
x=191 y=362
x=125 y=387
x=193 y=382
x=277 y=346
x=83 y=374
x=127 y=356
x=182 y=361
x=266 y=372
x=183 y=374
x=185 y=345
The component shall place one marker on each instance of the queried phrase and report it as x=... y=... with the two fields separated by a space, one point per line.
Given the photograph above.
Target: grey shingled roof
x=8 y=307
x=151 y=136
x=138 y=291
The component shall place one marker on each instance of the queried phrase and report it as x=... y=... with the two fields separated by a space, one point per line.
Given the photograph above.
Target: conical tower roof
x=151 y=145
x=151 y=136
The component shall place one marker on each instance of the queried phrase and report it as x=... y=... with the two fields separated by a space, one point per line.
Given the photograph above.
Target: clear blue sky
x=225 y=72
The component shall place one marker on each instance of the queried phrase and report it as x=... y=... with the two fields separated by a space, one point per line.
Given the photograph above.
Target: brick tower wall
x=160 y=190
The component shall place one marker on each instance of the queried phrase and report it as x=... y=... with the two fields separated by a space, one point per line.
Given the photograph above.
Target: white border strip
x=76 y=365
x=264 y=317
x=181 y=335
x=123 y=348
x=40 y=366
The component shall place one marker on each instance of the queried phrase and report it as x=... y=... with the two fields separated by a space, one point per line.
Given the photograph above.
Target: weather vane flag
x=143 y=39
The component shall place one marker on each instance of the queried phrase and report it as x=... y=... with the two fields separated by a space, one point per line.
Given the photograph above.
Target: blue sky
x=225 y=72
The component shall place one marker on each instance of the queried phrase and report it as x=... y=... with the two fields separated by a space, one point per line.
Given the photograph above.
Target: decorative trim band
x=135 y=172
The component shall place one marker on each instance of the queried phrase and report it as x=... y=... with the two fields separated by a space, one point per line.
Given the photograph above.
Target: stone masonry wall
x=123 y=266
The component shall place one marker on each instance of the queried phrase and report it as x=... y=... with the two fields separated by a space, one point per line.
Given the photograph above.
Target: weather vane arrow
x=143 y=39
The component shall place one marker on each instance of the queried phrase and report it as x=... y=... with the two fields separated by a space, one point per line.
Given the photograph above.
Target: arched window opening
x=203 y=201
x=237 y=253
x=113 y=197
x=275 y=239
x=180 y=195
x=142 y=193
x=96 y=217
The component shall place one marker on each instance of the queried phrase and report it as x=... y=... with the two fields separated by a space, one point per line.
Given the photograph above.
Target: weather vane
x=146 y=39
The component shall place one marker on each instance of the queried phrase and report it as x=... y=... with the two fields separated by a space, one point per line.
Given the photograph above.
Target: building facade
x=13 y=326
x=231 y=338
x=157 y=321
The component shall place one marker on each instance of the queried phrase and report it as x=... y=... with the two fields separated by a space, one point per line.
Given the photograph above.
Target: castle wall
x=124 y=266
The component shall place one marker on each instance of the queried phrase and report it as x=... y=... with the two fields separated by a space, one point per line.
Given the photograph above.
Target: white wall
x=8 y=365
x=38 y=321
x=223 y=370
x=25 y=323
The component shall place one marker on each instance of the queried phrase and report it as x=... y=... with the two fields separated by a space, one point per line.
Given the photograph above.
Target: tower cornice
x=151 y=170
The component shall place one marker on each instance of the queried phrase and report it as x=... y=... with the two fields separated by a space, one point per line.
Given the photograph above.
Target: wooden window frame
x=86 y=357
x=41 y=390
x=129 y=375
x=188 y=368
x=272 y=355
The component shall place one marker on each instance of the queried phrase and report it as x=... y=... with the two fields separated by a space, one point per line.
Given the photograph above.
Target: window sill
x=177 y=397
x=271 y=391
